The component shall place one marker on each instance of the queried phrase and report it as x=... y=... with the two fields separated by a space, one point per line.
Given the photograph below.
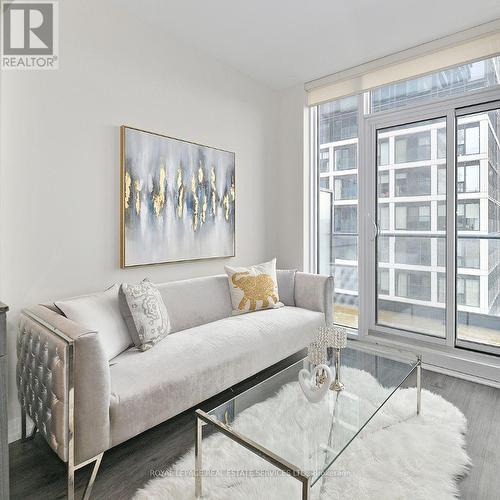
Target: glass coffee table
x=369 y=378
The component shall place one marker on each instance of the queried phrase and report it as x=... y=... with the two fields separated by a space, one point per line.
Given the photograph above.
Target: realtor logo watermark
x=30 y=32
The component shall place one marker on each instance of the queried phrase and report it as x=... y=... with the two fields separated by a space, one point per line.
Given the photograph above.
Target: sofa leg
x=24 y=436
x=95 y=470
x=71 y=476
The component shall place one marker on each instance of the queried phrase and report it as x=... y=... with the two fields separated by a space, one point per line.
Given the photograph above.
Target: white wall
x=290 y=220
x=59 y=184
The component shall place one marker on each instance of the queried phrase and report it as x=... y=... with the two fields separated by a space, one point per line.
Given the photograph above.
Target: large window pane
x=410 y=293
x=478 y=223
x=338 y=210
x=448 y=82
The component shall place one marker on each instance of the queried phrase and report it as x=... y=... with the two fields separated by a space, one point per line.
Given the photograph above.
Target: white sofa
x=83 y=405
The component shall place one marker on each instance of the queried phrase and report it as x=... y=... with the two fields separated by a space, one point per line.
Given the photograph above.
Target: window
x=441 y=216
x=383 y=281
x=441 y=277
x=441 y=180
x=441 y=252
x=411 y=250
x=324 y=182
x=413 y=216
x=413 y=284
x=346 y=219
x=383 y=184
x=346 y=247
x=413 y=181
x=468 y=139
x=338 y=120
x=468 y=291
x=453 y=81
x=413 y=147
x=468 y=253
x=337 y=243
x=441 y=143
x=383 y=217
x=468 y=178
x=468 y=215
x=383 y=249
x=324 y=160
x=383 y=152
x=346 y=187
x=346 y=157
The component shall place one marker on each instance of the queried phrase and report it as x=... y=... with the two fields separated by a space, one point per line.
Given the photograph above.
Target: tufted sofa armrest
x=53 y=355
x=315 y=292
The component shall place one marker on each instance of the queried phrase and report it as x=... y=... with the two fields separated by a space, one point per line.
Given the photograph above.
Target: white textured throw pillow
x=100 y=312
x=145 y=313
x=253 y=288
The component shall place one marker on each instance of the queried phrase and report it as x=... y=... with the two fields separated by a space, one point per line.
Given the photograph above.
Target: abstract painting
x=177 y=200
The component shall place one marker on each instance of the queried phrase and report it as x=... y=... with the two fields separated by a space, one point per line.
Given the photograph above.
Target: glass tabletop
x=276 y=415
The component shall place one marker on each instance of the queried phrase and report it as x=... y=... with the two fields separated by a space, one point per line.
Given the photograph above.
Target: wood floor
x=36 y=472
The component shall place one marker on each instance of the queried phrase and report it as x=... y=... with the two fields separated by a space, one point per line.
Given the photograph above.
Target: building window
x=413 y=216
x=346 y=278
x=468 y=178
x=413 y=147
x=324 y=160
x=413 y=284
x=346 y=247
x=324 y=182
x=383 y=281
x=441 y=216
x=441 y=180
x=468 y=253
x=441 y=143
x=383 y=217
x=468 y=139
x=383 y=184
x=441 y=252
x=383 y=152
x=383 y=249
x=441 y=288
x=411 y=250
x=346 y=157
x=468 y=290
x=468 y=216
x=338 y=120
x=346 y=219
x=346 y=187
x=413 y=181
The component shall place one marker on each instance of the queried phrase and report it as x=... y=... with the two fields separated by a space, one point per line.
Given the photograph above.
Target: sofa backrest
x=196 y=301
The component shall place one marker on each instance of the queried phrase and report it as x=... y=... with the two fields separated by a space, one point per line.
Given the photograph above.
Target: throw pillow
x=145 y=313
x=253 y=288
x=100 y=312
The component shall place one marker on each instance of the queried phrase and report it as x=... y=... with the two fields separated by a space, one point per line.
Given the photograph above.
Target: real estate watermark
x=30 y=35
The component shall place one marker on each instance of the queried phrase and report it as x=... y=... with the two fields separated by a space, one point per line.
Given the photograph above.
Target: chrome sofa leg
x=71 y=476
x=24 y=436
x=95 y=470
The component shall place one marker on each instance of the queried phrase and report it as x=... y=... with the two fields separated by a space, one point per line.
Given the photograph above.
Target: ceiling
x=286 y=42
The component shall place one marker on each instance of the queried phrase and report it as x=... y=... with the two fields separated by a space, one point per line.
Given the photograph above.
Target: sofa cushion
x=188 y=367
x=100 y=312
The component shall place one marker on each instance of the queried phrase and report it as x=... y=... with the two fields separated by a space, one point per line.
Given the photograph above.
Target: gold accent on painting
x=180 y=194
x=159 y=198
x=138 y=189
x=128 y=183
x=213 y=192
x=260 y=287
x=225 y=205
x=196 y=203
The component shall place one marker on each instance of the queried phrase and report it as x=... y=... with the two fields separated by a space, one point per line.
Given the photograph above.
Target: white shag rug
x=399 y=455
